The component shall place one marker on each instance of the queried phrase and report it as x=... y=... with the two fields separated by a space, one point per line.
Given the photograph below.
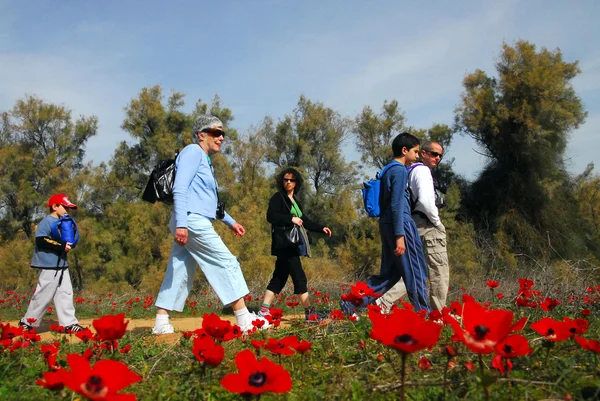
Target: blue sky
x=260 y=56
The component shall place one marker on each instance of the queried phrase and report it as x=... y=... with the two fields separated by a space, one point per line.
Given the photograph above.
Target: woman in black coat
x=285 y=210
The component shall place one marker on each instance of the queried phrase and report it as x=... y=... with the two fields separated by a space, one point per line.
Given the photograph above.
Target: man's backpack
x=440 y=201
x=161 y=181
x=372 y=191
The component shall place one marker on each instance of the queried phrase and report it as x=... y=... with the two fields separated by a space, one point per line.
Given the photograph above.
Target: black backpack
x=161 y=181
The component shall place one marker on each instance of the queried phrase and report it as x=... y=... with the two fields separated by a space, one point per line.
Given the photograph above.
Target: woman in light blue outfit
x=196 y=242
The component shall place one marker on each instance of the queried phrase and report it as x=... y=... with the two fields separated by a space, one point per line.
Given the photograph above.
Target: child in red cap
x=54 y=282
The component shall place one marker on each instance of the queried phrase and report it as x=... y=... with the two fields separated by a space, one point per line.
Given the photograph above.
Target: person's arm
x=397 y=183
x=308 y=223
x=421 y=184
x=188 y=162
x=278 y=214
x=50 y=244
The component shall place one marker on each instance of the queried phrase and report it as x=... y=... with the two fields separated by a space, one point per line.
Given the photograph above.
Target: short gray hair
x=427 y=145
x=204 y=122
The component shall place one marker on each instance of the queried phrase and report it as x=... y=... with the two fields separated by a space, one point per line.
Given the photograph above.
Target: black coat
x=278 y=214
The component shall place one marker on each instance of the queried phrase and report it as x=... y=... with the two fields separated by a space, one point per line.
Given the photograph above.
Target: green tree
x=41 y=150
x=522 y=119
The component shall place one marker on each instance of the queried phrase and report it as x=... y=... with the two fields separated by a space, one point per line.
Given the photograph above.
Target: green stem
x=486 y=389
x=446 y=378
x=403 y=378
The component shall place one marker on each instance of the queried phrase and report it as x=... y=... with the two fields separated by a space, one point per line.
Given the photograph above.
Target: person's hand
x=181 y=236
x=238 y=229
x=400 y=246
x=297 y=221
x=327 y=231
x=68 y=247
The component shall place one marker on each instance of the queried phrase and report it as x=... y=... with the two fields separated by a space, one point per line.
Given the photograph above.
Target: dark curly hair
x=295 y=173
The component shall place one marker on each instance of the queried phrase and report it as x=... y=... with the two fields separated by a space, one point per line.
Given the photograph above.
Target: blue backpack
x=65 y=229
x=372 y=190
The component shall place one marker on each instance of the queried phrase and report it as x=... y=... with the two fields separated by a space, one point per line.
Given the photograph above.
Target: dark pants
x=288 y=266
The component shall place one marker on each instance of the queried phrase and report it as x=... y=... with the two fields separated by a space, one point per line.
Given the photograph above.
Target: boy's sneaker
x=263 y=314
x=248 y=326
x=163 y=329
x=349 y=309
x=74 y=328
x=25 y=326
x=312 y=315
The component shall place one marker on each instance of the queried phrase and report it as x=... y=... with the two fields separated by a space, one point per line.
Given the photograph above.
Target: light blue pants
x=204 y=248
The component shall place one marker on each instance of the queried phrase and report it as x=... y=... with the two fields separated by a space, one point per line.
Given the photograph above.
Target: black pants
x=288 y=266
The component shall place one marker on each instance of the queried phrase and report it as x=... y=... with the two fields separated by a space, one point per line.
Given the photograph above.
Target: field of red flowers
x=488 y=344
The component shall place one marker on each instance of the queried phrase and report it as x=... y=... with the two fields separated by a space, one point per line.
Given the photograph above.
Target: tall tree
x=42 y=149
x=521 y=119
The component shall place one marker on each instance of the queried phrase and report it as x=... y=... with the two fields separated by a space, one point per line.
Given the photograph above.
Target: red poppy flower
x=576 y=326
x=9 y=332
x=361 y=290
x=257 y=376
x=31 y=320
x=527 y=303
x=31 y=335
x=100 y=382
x=49 y=351
x=549 y=304
x=525 y=284
x=553 y=330
x=502 y=364
x=257 y=344
x=205 y=350
x=302 y=346
x=519 y=325
x=336 y=315
x=492 y=284
x=456 y=308
x=85 y=335
x=586 y=312
x=590 y=345
x=283 y=346
x=514 y=346
x=467 y=298
x=483 y=328
x=469 y=365
x=424 y=363
x=499 y=295
x=53 y=380
x=404 y=330
x=110 y=327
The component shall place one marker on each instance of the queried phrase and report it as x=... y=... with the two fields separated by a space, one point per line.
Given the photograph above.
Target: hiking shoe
x=248 y=326
x=25 y=326
x=74 y=328
x=163 y=329
x=312 y=315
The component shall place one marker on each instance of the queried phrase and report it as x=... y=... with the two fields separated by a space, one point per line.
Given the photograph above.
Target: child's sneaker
x=74 y=328
x=247 y=325
x=349 y=310
x=25 y=326
x=264 y=314
x=163 y=329
x=311 y=315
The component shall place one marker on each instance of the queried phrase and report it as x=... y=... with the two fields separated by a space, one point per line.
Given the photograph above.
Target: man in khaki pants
x=425 y=203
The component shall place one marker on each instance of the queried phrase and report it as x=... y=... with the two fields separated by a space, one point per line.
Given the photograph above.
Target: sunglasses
x=289 y=180
x=214 y=132
x=435 y=154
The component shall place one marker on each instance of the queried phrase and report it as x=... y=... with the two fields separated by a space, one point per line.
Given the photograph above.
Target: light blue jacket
x=195 y=188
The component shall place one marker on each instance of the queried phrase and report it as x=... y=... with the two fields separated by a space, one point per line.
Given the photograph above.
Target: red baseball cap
x=61 y=199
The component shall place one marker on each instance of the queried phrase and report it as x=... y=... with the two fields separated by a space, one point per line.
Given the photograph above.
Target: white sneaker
x=267 y=313
x=163 y=329
x=248 y=326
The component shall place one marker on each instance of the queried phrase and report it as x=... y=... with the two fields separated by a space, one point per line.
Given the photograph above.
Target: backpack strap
x=411 y=168
x=386 y=168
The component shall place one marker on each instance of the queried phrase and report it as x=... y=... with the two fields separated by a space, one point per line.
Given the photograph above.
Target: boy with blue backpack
x=401 y=247
x=55 y=236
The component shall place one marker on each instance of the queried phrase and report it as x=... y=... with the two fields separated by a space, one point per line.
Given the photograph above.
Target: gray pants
x=48 y=290
x=434 y=247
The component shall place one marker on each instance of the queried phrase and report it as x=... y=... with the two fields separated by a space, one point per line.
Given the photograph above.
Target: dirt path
x=143 y=326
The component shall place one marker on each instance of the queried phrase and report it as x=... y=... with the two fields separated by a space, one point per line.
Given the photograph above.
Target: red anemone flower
x=424 y=363
x=483 y=328
x=404 y=330
x=502 y=364
x=283 y=346
x=205 y=350
x=549 y=304
x=100 y=382
x=525 y=284
x=590 y=345
x=336 y=315
x=514 y=346
x=553 y=330
x=577 y=326
x=53 y=380
x=361 y=290
x=302 y=346
x=85 y=335
x=492 y=284
x=257 y=376
x=110 y=327
x=218 y=328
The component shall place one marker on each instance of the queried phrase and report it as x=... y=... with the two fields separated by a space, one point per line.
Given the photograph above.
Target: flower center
x=507 y=349
x=95 y=386
x=480 y=332
x=405 y=339
x=257 y=379
x=550 y=332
